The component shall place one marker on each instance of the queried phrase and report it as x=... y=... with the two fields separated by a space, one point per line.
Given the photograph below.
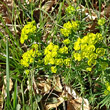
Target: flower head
x=53 y=69
x=89 y=69
x=27 y=29
x=67 y=61
x=63 y=50
x=101 y=21
x=70 y=9
x=100 y=51
x=66 y=41
x=77 y=56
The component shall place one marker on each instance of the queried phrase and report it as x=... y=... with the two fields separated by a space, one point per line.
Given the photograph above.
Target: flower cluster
x=53 y=56
x=69 y=27
x=101 y=21
x=70 y=9
x=85 y=48
x=28 y=57
x=28 y=29
x=50 y=52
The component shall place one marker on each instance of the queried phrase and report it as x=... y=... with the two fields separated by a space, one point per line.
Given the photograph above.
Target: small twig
x=5 y=55
x=64 y=105
x=10 y=25
x=42 y=107
x=49 y=94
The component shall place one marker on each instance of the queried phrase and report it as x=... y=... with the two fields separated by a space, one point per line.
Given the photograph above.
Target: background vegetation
x=31 y=78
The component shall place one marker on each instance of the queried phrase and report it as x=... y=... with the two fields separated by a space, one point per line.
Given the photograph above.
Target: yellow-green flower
x=91 y=62
x=27 y=29
x=66 y=30
x=100 y=51
x=84 y=54
x=107 y=84
x=75 y=25
x=56 y=47
x=51 y=61
x=84 y=40
x=46 y=60
x=48 y=48
x=101 y=21
x=90 y=48
x=104 y=65
x=24 y=63
x=66 y=41
x=93 y=56
x=51 y=49
x=53 y=69
x=31 y=60
x=83 y=47
x=70 y=9
x=77 y=44
x=35 y=46
x=77 y=56
x=26 y=72
x=59 y=61
x=106 y=92
x=99 y=37
x=22 y=39
x=63 y=50
x=108 y=88
x=67 y=27
x=89 y=69
x=67 y=62
x=50 y=53
x=28 y=57
x=91 y=38
x=54 y=53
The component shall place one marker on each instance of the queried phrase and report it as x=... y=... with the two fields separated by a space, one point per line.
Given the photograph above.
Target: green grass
x=7 y=75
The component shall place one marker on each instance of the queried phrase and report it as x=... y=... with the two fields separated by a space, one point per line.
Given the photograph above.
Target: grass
x=24 y=95
x=7 y=75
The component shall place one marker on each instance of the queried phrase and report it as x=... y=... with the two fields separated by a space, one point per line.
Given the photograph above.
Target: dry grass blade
x=106 y=11
x=4 y=88
x=1 y=97
x=48 y=5
x=57 y=84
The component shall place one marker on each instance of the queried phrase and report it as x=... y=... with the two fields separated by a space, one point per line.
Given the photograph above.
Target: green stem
x=100 y=2
x=15 y=96
x=22 y=96
x=7 y=73
x=32 y=10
